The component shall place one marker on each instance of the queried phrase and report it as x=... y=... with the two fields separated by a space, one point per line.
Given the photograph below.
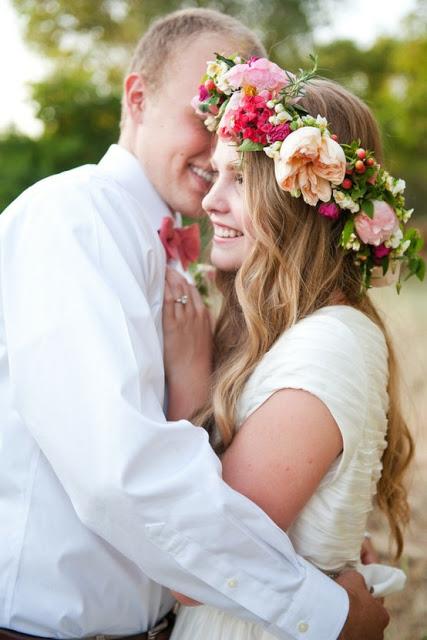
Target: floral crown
x=254 y=104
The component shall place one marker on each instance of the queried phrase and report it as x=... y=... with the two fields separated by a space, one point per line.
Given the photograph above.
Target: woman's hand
x=368 y=553
x=187 y=346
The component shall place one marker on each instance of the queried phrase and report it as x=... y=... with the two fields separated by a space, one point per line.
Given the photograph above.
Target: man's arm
x=86 y=379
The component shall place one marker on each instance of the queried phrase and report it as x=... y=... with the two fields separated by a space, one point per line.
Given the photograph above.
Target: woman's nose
x=214 y=201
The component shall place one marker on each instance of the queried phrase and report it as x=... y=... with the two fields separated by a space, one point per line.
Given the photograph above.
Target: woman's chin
x=224 y=262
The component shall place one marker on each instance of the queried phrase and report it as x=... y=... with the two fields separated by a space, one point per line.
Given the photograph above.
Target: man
x=100 y=496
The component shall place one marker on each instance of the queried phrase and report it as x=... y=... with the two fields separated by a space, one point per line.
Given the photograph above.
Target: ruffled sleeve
x=322 y=355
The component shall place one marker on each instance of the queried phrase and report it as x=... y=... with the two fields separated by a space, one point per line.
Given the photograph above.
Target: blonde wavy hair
x=294 y=268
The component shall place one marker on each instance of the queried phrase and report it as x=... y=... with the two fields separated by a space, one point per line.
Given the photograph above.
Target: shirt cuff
x=319 y=609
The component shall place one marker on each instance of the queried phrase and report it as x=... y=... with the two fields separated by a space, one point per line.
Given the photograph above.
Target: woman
x=303 y=406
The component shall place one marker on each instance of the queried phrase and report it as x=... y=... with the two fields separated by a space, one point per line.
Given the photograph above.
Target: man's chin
x=191 y=209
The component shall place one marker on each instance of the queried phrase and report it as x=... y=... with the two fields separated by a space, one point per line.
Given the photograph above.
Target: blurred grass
x=406 y=318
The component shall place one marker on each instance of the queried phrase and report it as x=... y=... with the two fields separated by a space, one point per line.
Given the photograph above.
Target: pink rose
x=278 y=132
x=310 y=162
x=260 y=73
x=380 y=227
x=226 y=126
x=329 y=210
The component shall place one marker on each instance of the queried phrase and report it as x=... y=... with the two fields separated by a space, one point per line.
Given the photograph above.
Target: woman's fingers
x=180 y=290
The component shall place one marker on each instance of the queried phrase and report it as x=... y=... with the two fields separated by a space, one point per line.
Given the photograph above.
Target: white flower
x=279 y=107
x=345 y=202
x=353 y=243
x=403 y=247
x=399 y=186
x=210 y=123
x=284 y=116
x=273 y=151
x=321 y=121
x=388 y=181
x=270 y=104
x=407 y=213
x=395 y=240
x=216 y=68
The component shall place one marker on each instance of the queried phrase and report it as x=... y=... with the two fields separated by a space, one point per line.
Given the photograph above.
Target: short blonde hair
x=168 y=34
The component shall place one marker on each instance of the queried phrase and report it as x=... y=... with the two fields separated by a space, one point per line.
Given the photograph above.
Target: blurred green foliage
x=89 y=45
x=391 y=77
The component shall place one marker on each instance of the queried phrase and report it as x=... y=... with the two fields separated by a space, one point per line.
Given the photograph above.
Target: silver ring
x=182 y=299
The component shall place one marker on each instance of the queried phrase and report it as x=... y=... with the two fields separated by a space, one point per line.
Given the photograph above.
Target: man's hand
x=367 y=617
x=185 y=600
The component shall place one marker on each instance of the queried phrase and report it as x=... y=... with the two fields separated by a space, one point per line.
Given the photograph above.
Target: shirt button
x=232 y=583
x=302 y=627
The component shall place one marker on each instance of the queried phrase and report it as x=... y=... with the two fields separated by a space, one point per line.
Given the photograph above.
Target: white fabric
x=340 y=356
x=99 y=495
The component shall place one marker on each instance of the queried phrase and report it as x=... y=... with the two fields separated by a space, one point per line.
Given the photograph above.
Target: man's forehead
x=191 y=56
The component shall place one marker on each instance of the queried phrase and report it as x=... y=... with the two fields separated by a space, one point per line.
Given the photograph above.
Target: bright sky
x=361 y=20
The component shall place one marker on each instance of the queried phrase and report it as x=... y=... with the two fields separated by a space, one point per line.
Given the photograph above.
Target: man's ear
x=134 y=90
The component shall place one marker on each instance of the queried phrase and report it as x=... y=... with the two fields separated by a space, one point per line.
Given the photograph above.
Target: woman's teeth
x=206 y=175
x=226 y=232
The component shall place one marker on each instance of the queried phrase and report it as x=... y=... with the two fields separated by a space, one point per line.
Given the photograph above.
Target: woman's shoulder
x=336 y=353
x=333 y=322
x=340 y=335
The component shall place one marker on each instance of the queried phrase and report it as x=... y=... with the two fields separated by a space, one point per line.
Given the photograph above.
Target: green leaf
x=368 y=208
x=385 y=264
x=227 y=61
x=347 y=231
x=223 y=107
x=248 y=145
x=421 y=270
x=300 y=108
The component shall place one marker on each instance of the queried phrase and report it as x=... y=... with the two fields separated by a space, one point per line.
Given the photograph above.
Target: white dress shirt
x=99 y=495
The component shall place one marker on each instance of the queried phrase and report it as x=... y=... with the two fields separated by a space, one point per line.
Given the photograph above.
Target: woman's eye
x=239 y=178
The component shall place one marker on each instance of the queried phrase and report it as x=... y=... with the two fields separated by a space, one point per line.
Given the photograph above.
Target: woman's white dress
x=340 y=356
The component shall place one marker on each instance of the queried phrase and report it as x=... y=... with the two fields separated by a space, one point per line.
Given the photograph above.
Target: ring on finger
x=182 y=299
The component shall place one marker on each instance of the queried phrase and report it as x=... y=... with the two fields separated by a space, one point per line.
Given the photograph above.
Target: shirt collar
x=124 y=168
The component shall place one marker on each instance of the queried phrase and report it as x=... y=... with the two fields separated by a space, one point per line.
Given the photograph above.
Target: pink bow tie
x=180 y=243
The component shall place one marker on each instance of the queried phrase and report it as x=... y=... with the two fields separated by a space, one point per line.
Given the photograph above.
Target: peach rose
x=310 y=161
x=380 y=227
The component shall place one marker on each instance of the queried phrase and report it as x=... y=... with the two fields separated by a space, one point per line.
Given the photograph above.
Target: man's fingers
x=351 y=577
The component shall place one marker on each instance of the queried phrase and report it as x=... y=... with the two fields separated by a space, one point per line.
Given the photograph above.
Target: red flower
x=251 y=119
x=203 y=93
x=380 y=252
x=329 y=210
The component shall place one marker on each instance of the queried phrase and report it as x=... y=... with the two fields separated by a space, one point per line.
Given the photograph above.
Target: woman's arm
x=281 y=453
